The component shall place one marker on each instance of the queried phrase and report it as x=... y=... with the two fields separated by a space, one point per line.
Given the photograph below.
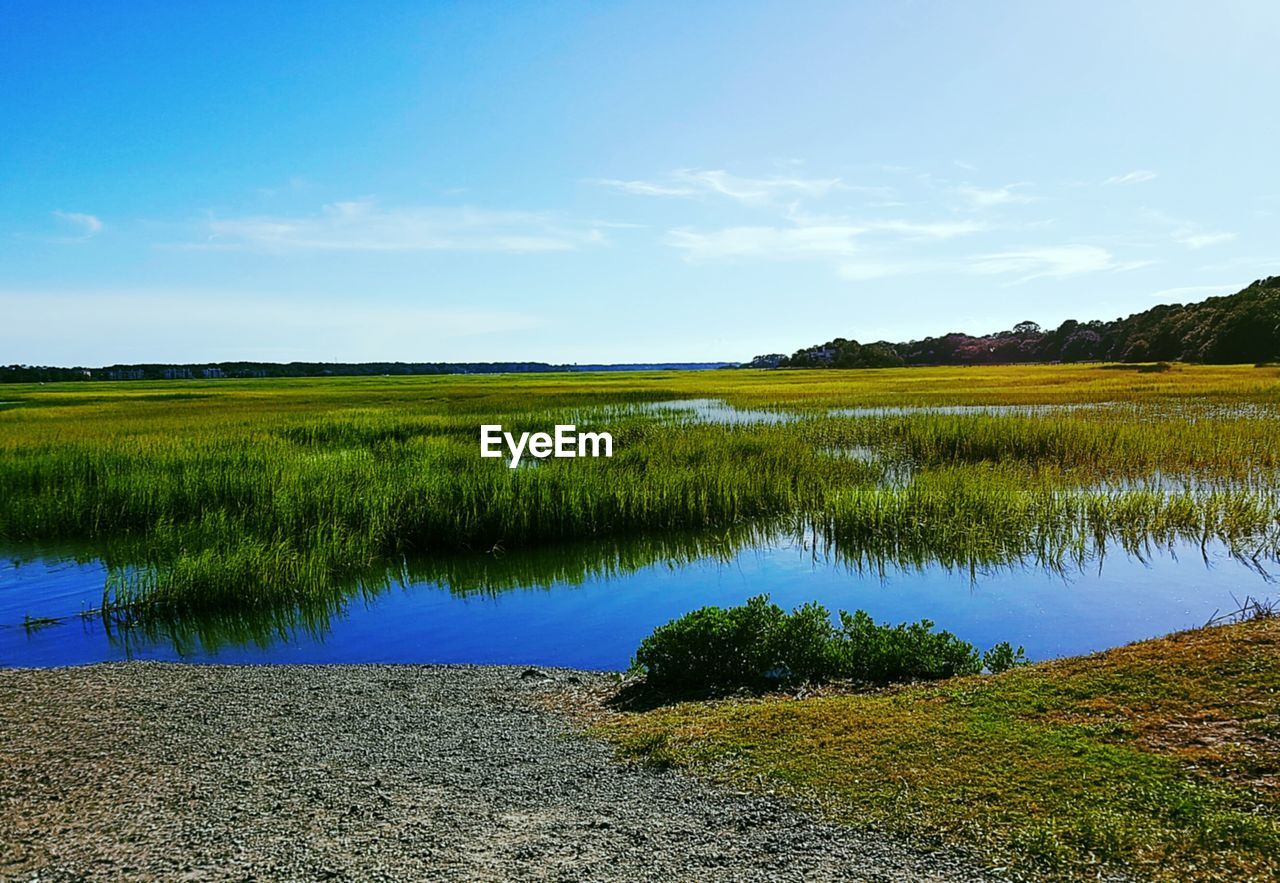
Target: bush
x=759 y=644
x=881 y=654
x=805 y=649
x=715 y=647
x=1003 y=657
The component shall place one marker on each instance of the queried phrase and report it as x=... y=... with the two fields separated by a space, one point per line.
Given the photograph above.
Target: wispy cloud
x=1188 y=233
x=688 y=183
x=363 y=225
x=1048 y=262
x=1137 y=176
x=928 y=229
x=1024 y=264
x=1194 y=239
x=990 y=197
x=810 y=238
x=86 y=226
x=775 y=243
x=645 y=188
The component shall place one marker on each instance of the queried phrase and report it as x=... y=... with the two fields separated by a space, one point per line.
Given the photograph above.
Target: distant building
x=177 y=373
x=124 y=374
x=212 y=372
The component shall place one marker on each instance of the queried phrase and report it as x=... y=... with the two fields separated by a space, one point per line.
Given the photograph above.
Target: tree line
x=1233 y=329
x=217 y=370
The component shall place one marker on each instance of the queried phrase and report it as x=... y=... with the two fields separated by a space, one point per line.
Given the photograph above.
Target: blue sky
x=618 y=182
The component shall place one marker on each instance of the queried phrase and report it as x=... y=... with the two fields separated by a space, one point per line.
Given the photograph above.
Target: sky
x=618 y=182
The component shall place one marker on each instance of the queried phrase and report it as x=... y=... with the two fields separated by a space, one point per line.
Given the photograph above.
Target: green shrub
x=1003 y=657
x=881 y=654
x=715 y=647
x=759 y=644
x=806 y=650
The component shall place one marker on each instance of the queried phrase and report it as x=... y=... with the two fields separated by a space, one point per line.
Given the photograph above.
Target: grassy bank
x=1161 y=759
x=243 y=494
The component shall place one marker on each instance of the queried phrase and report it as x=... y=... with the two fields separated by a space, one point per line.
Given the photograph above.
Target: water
x=714 y=411
x=719 y=411
x=589 y=606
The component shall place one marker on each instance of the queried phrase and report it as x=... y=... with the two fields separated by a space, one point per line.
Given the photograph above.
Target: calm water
x=713 y=411
x=719 y=411
x=590 y=607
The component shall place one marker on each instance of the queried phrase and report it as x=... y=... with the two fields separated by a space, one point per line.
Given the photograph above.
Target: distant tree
x=1241 y=328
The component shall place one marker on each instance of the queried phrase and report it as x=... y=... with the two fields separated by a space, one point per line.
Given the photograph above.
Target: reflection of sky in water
x=714 y=411
x=598 y=623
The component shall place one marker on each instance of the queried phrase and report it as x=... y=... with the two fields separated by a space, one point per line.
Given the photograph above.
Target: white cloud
x=363 y=225
x=928 y=229
x=1188 y=233
x=716 y=182
x=776 y=243
x=982 y=197
x=812 y=238
x=1202 y=240
x=86 y=225
x=644 y=188
x=1191 y=292
x=1046 y=262
x=1137 y=176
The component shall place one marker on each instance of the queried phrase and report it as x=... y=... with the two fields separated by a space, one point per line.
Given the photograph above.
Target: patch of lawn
x=1160 y=759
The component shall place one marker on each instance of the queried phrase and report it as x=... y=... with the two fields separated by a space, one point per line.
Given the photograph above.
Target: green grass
x=218 y=496
x=1160 y=759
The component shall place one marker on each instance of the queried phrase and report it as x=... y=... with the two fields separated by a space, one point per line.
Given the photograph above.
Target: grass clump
x=758 y=644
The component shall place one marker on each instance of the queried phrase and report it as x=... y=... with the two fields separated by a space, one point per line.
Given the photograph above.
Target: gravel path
x=172 y=772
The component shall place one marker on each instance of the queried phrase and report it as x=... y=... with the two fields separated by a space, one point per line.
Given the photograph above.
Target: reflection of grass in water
x=575 y=563
x=213 y=630
x=462 y=574
x=268 y=494
x=966 y=518
x=988 y=542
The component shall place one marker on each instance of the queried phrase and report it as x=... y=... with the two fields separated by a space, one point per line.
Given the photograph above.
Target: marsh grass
x=219 y=496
